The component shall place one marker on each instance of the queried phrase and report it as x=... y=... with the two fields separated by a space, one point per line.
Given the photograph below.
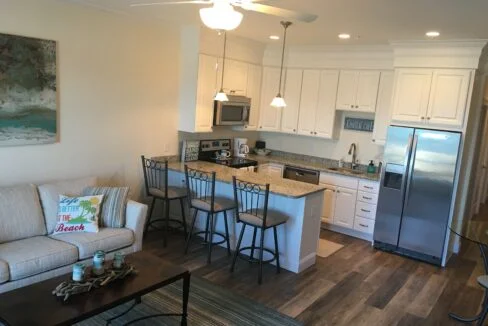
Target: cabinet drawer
x=363 y=225
x=368 y=197
x=369 y=186
x=344 y=222
x=326 y=220
x=338 y=180
x=366 y=210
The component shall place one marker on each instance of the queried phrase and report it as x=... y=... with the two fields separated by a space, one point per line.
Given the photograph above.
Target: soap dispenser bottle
x=371 y=167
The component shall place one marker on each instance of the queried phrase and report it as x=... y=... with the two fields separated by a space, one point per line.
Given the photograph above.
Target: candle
x=78 y=272
x=98 y=261
x=118 y=260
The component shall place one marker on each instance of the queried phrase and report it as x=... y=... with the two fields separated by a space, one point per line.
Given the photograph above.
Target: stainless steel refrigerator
x=416 y=192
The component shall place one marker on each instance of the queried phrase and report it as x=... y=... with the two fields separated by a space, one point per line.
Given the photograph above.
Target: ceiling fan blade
x=197 y=2
x=275 y=11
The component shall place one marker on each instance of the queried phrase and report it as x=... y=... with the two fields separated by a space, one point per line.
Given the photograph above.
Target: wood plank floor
x=356 y=285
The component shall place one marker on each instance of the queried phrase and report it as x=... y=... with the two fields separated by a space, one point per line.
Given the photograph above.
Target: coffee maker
x=240 y=147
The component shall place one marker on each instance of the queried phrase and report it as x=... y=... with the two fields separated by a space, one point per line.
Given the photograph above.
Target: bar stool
x=201 y=191
x=252 y=210
x=156 y=182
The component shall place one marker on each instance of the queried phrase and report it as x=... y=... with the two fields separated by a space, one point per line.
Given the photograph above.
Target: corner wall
x=117 y=90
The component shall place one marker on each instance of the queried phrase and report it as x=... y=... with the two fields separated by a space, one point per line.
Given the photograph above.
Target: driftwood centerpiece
x=68 y=288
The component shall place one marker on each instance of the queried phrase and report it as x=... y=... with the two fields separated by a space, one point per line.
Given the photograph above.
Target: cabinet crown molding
x=463 y=54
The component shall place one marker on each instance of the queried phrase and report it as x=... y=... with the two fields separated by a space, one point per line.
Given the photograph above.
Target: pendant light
x=221 y=96
x=279 y=101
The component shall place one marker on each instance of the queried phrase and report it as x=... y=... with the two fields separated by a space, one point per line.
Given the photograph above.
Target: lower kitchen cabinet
x=364 y=225
x=274 y=170
x=345 y=206
x=329 y=203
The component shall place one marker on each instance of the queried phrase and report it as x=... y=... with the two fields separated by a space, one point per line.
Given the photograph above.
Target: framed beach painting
x=28 y=99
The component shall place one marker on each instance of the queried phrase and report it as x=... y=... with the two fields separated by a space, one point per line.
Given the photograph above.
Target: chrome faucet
x=352 y=150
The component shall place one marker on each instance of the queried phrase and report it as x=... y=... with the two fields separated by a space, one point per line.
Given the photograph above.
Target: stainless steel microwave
x=234 y=112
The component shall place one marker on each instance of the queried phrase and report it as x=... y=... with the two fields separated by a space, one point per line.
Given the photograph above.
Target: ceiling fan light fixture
x=278 y=102
x=221 y=16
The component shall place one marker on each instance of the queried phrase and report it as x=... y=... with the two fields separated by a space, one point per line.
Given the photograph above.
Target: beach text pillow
x=78 y=214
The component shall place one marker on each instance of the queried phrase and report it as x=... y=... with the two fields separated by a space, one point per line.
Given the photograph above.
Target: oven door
x=231 y=113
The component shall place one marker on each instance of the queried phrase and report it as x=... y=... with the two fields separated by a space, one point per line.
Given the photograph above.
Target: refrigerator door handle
x=406 y=163
x=410 y=169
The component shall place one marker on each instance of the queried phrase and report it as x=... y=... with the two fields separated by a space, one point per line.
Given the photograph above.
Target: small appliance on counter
x=215 y=151
x=260 y=148
x=240 y=147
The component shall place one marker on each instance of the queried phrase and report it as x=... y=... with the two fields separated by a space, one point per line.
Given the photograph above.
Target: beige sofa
x=30 y=253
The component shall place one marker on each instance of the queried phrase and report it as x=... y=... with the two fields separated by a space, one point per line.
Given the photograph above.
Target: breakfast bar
x=303 y=202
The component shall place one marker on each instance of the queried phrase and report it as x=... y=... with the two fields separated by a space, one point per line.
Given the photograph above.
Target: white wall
x=118 y=93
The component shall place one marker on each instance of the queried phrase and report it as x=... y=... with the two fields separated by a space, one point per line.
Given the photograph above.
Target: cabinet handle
x=357 y=106
x=294 y=130
x=338 y=191
x=352 y=106
x=428 y=118
x=311 y=132
x=368 y=198
x=365 y=210
x=314 y=132
x=368 y=187
x=374 y=140
x=261 y=127
x=422 y=118
x=363 y=225
x=245 y=127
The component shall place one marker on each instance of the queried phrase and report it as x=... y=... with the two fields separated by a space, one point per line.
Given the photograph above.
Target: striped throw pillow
x=113 y=205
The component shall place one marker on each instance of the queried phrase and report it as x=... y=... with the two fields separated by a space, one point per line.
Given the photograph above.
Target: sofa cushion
x=36 y=255
x=113 y=205
x=20 y=213
x=50 y=192
x=108 y=239
x=4 y=273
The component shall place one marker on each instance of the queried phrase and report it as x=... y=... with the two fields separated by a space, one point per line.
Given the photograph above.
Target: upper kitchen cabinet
x=269 y=116
x=435 y=97
x=292 y=93
x=317 y=103
x=198 y=88
x=254 y=74
x=358 y=90
x=235 y=77
x=383 y=107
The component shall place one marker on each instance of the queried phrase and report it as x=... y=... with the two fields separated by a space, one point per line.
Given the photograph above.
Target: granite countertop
x=278 y=186
x=312 y=165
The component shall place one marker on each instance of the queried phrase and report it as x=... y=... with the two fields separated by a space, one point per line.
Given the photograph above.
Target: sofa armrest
x=135 y=219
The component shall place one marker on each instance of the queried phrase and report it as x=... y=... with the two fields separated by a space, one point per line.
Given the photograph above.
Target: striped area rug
x=209 y=305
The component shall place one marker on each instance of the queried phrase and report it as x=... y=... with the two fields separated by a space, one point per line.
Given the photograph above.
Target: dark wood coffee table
x=35 y=304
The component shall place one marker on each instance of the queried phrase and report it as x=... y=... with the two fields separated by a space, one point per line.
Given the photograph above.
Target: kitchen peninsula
x=303 y=202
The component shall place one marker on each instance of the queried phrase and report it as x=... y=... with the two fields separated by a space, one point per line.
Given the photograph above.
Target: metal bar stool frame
x=247 y=197
x=201 y=187
x=156 y=177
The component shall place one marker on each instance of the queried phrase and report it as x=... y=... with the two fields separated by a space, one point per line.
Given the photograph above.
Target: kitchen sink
x=346 y=170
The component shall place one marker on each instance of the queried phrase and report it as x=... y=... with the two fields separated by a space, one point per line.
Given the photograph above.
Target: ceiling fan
x=222 y=15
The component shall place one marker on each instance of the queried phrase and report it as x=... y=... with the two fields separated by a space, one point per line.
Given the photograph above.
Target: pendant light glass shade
x=279 y=101
x=221 y=96
x=221 y=16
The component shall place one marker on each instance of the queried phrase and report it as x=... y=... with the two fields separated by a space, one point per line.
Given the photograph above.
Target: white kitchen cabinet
x=328 y=207
x=235 y=77
x=434 y=97
x=448 y=96
x=317 y=103
x=271 y=169
x=292 y=92
x=411 y=95
x=269 y=116
x=206 y=90
x=345 y=206
x=358 y=90
x=253 y=91
x=383 y=108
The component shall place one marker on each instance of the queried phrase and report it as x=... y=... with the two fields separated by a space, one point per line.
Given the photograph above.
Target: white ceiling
x=373 y=21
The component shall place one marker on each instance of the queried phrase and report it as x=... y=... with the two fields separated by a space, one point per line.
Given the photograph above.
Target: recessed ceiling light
x=344 y=36
x=274 y=37
x=432 y=34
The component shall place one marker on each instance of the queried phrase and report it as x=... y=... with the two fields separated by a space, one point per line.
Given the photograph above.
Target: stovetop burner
x=233 y=162
x=210 y=149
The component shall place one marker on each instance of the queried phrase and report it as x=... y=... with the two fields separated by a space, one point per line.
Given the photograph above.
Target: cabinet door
x=206 y=89
x=308 y=102
x=254 y=92
x=329 y=203
x=383 y=108
x=293 y=89
x=448 y=97
x=346 y=92
x=325 y=114
x=270 y=117
x=345 y=207
x=367 y=91
x=275 y=171
x=411 y=95
x=235 y=77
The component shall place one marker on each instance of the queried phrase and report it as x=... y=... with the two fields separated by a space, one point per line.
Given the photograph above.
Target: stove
x=210 y=150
